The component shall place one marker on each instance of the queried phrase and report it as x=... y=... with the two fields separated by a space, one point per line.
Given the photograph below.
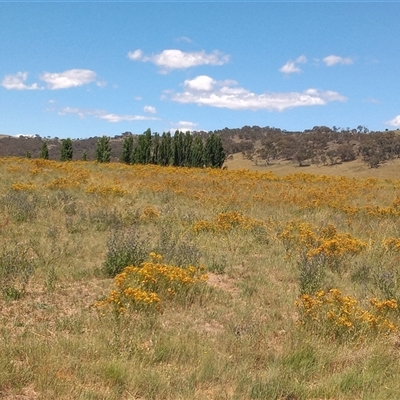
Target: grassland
x=299 y=301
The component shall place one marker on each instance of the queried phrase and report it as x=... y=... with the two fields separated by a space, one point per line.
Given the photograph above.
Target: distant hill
x=258 y=148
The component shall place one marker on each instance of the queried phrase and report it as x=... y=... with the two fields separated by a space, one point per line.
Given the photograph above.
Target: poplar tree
x=155 y=156
x=178 y=149
x=187 y=149
x=103 y=150
x=197 y=156
x=127 y=150
x=142 y=151
x=214 y=155
x=166 y=149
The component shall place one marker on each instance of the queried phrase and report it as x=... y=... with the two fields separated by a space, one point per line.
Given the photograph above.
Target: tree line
x=180 y=150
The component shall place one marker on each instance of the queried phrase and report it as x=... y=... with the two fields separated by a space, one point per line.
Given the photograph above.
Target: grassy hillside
x=241 y=285
x=350 y=169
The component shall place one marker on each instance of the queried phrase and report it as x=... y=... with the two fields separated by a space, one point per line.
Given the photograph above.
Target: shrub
x=331 y=314
x=144 y=287
x=16 y=268
x=20 y=205
x=123 y=248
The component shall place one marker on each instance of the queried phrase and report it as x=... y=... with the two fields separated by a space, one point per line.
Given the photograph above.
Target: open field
x=275 y=285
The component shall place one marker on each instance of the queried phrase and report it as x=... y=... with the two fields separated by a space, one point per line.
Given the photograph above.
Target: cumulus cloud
x=17 y=82
x=201 y=82
x=171 y=59
x=394 y=122
x=227 y=94
x=333 y=60
x=183 y=126
x=104 y=115
x=149 y=109
x=289 y=68
x=68 y=79
x=292 y=66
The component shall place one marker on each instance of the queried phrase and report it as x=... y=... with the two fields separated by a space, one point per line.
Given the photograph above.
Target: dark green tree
x=214 y=155
x=84 y=155
x=44 y=152
x=197 y=154
x=166 y=150
x=155 y=154
x=187 y=149
x=177 y=148
x=103 y=150
x=127 y=150
x=147 y=146
x=142 y=151
x=66 y=151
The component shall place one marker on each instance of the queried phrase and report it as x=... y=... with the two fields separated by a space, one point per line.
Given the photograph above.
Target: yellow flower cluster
x=392 y=244
x=149 y=214
x=324 y=244
x=63 y=183
x=227 y=221
x=23 y=186
x=338 y=316
x=361 y=197
x=115 y=190
x=144 y=287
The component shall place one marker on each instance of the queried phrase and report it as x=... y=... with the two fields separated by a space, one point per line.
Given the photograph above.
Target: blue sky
x=82 y=69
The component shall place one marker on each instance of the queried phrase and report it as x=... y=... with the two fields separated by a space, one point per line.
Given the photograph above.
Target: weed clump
x=334 y=315
x=124 y=247
x=16 y=268
x=144 y=287
x=20 y=205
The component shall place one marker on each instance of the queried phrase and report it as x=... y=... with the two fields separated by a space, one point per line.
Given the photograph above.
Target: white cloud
x=291 y=66
x=301 y=59
x=201 y=82
x=149 y=109
x=184 y=126
x=332 y=60
x=226 y=94
x=68 y=79
x=135 y=55
x=17 y=82
x=104 y=115
x=394 y=122
x=176 y=59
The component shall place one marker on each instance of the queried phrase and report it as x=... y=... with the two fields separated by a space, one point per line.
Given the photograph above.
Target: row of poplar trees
x=180 y=150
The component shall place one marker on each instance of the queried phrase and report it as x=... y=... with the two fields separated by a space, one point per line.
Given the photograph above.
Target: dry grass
x=351 y=169
x=237 y=337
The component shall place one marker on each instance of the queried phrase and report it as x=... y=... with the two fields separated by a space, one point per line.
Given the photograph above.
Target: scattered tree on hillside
x=66 y=151
x=44 y=152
